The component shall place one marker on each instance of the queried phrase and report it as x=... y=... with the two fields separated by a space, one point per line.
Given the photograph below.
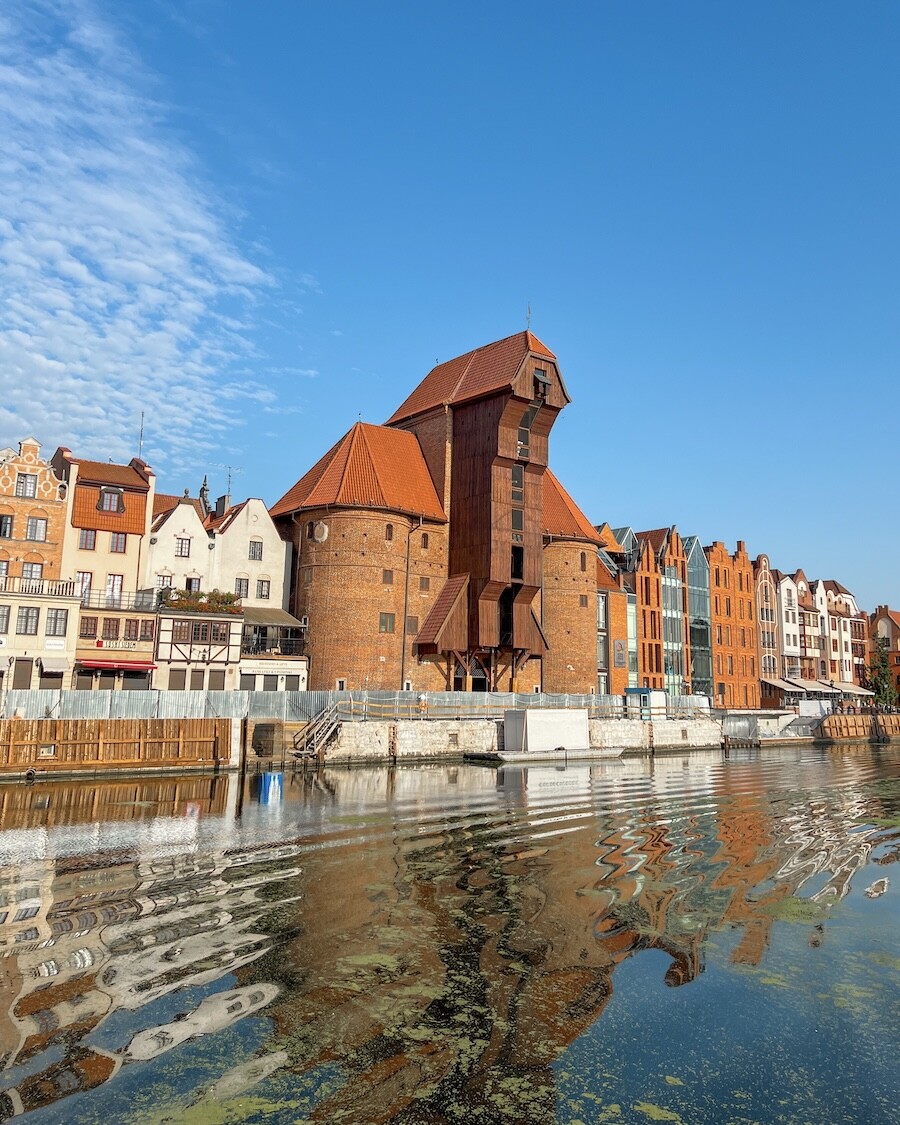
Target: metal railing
x=272 y=646
x=143 y=600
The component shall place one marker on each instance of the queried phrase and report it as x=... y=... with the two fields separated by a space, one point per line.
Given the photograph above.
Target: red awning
x=119 y=665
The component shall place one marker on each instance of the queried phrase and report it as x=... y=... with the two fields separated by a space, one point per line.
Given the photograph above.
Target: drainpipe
x=409 y=535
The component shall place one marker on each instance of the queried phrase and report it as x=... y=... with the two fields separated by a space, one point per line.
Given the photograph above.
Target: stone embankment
x=411 y=739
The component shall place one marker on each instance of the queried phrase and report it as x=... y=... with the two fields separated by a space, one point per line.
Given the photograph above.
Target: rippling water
x=687 y=940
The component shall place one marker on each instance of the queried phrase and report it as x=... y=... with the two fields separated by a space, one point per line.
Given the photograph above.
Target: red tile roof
x=370 y=467
x=164 y=502
x=473 y=375
x=562 y=516
x=224 y=521
x=101 y=472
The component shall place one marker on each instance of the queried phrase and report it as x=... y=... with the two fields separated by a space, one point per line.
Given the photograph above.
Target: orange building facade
x=735 y=642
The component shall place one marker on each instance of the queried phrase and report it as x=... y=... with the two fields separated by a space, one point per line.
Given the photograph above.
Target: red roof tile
x=370 y=467
x=562 y=516
x=101 y=472
x=473 y=375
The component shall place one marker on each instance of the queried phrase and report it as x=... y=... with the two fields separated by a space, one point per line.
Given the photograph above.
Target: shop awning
x=262 y=615
x=815 y=687
x=54 y=664
x=853 y=689
x=119 y=665
x=782 y=685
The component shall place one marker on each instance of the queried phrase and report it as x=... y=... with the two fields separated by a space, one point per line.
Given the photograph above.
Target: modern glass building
x=699 y=616
x=673 y=630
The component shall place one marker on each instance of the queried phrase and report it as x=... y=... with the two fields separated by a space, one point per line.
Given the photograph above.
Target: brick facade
x=569 y=611
x=735 y=642
x=32 y=525
x=350 y=580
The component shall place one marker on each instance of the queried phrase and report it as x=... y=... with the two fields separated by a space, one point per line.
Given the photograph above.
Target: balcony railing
x=46 y=587
x=272 y=646
x=145 y=600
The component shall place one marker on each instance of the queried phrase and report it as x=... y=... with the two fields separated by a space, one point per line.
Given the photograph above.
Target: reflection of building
x=112 y=938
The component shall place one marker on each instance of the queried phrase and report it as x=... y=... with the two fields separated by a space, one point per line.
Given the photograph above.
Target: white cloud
x=121 y=289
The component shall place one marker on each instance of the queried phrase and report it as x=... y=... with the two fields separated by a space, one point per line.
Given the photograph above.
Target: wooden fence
x=866 y=727
x=71 y=745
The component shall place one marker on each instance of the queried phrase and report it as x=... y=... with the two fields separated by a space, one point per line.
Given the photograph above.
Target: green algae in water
x=801 y=911
x=657 y=1113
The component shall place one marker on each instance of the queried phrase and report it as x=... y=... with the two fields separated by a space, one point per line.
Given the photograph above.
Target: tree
x=878 y=674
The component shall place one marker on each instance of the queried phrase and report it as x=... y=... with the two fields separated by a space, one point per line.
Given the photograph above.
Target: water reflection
x=432 y=945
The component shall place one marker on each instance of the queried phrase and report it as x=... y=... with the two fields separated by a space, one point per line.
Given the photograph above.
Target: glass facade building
x=699 y=616
x=673 y=630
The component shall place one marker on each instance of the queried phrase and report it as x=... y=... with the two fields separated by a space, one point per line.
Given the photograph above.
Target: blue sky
x=257 y=222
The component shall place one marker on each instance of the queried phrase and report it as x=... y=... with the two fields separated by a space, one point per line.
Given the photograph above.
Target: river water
x=694 y=939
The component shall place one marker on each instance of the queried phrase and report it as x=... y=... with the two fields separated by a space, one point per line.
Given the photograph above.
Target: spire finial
x=528 y=317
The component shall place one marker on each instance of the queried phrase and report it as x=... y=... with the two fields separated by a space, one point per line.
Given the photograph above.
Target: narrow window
x=131 y=629
x=517 y=565
x=87 y=539
x=242 y=587
x=386 y=623
x=424 y=585
x=389 y=532
x=583 y=561
x=147 y=630
x=518 y=484
x=310 y=530
x=583 y=600
x=387 y=577
x=256 y=550
x=263 y=586
x=6 y=527
x=118 y=541
x=412 y=626
x=424 y=540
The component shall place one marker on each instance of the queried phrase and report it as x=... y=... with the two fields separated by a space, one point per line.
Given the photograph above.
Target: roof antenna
x=141 y=439
x=528 y=318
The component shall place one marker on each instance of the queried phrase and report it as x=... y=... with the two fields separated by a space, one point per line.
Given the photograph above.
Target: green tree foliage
x=878 y=675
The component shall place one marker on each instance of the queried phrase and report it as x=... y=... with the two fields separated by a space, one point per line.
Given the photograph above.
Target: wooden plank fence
x=865 y=727
x=53 y=745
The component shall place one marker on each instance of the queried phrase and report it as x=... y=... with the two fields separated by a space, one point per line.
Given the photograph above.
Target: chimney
x=222 y=505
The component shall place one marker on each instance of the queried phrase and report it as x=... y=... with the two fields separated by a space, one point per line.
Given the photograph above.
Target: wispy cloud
x=121 y=288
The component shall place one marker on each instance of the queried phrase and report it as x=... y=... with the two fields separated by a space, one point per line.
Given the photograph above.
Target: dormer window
x=111 y=500
x=541 y=383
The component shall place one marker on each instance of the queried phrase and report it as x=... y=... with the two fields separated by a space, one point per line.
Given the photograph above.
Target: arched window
x=584 y=560
x=310 y=530
x=388 y=532
x=424 y=540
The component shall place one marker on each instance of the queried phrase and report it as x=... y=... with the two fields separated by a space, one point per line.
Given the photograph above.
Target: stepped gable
x=563 y=519
x=478 y=373
x=370 y=467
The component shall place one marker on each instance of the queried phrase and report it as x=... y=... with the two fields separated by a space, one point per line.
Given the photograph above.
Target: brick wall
x=341 y=586
x=48 y=503
x=569 y=607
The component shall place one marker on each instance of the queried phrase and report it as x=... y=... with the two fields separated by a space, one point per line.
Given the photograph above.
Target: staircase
x=310 y=742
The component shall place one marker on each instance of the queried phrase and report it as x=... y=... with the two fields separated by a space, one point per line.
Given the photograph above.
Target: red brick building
x=420 y=547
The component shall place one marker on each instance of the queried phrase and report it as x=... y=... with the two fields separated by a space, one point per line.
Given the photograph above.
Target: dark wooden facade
x=497 y=457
